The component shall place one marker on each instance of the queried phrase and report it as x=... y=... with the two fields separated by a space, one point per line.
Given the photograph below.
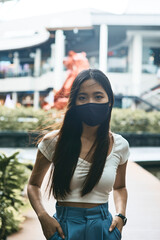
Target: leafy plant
x=135 y=121
x=27 y=119
x=13 y=177
x=123 y=120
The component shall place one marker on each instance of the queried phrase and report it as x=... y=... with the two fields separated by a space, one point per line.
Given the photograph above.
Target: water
x=147 y=157
x=25 y=154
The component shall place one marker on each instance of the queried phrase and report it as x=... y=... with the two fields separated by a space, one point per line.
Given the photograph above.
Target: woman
x=88 y=160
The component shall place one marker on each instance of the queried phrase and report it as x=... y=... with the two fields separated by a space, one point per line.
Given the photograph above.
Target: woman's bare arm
x=120 y=196
x=119 y=190
x=48 y=223
x=40 y=168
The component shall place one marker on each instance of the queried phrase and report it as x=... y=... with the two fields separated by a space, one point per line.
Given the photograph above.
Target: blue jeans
x=85 y=223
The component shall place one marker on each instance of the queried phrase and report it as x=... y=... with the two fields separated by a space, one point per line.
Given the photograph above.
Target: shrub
x=26 y=119
x=123 y=120
x=135 y=121
x=13 y=177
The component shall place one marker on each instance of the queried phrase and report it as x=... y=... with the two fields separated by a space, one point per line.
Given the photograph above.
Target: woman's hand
x=50 y=225
x=116 y=222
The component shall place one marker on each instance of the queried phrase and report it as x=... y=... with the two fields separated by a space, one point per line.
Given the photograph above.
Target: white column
x=130 y=56
x=14 y=97
x=59 y=56
x=103 y=48
x=136 y=63
x=36 y=100
x=16 y=63
x=52 y=58
x=37 y=62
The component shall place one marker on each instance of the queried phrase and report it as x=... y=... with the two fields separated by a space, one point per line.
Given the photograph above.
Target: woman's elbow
x=32 y=188
x=29 y=188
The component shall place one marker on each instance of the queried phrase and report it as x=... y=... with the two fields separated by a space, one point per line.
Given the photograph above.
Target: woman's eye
x=99 y=97
x=81 y=98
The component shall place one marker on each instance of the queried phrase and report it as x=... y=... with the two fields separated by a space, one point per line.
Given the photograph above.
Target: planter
x=17 y=139
x=25 y=139
x=142 y=139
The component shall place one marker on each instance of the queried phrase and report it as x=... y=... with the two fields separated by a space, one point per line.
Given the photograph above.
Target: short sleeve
x=124 y=152
x=47 y=145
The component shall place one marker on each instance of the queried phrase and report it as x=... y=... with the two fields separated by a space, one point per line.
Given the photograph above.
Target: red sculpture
x=75 y=63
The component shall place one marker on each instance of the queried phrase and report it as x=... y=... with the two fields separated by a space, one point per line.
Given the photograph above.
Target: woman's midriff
x=77 y=204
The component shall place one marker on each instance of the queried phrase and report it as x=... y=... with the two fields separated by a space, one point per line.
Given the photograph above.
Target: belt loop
x=105 y=211
x=65 y=210
x=61 y=212
x=102 y=212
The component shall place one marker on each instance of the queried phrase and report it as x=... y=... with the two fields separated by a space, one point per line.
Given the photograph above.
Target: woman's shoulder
x=47 y=144
x=49 y=140
x=119 y=140
x=121 y=147
x=51 y=135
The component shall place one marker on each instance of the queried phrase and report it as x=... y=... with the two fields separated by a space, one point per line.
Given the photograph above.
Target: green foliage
x=13 y=177
x=123 y=120
x=26 y=119
x=135 y=121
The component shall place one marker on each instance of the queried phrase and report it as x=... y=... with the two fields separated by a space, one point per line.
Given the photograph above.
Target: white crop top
x=100 y=193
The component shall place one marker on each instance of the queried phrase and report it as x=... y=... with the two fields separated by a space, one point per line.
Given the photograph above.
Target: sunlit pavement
x=143 y=209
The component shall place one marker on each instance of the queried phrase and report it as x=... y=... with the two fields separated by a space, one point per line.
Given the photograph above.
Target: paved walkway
x=143 y=209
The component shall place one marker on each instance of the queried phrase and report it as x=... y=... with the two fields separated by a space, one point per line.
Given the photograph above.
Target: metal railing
x=137 y=100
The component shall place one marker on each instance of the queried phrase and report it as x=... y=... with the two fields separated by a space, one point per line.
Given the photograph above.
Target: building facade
x=125 y=47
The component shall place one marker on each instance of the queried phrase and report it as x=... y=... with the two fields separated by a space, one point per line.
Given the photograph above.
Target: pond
x=141 y=155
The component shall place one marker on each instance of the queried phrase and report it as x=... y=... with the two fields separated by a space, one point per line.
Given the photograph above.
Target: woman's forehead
x=90 y=84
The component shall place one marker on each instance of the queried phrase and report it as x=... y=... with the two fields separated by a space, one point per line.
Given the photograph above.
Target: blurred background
x=43 y=46
x=36 y=36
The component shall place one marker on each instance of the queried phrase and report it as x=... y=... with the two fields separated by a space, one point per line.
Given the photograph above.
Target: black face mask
x=93 y=113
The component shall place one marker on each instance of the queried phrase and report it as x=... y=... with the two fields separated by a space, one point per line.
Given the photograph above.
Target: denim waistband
x=76 y=212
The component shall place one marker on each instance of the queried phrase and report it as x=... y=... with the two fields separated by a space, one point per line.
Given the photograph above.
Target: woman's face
x=91 y=92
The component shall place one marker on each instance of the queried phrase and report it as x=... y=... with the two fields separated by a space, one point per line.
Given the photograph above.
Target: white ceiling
x=26 y=8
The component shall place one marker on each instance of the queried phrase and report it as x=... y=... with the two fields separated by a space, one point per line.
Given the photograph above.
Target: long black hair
x=68 y=146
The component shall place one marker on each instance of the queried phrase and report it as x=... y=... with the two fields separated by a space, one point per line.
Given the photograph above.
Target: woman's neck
x=89 y=132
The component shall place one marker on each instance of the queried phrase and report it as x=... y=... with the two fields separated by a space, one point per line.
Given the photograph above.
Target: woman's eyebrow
x=98 y=92
x=82 y=93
